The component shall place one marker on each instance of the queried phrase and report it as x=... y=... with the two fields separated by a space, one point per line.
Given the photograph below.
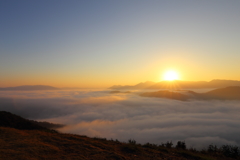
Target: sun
x=170 y=75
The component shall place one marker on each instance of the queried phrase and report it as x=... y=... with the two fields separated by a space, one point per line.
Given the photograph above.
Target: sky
x=97 y=44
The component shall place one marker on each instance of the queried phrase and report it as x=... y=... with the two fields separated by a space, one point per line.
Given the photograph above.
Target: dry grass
x=36 y=145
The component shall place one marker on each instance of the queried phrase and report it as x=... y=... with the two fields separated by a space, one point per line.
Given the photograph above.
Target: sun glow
x=170 y=75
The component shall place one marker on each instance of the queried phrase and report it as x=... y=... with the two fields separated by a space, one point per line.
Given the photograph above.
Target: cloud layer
x=129 y=116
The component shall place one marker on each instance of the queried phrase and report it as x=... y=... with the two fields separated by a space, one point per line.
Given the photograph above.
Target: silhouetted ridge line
x=142 y=85
x=177 y=84
x=166 y=94
x=48 y=124
x=227 y=93
x=29 y=88
x=230 y=93
x=8 y=119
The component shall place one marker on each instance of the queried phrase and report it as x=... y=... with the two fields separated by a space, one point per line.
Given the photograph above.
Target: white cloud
x=128 y=116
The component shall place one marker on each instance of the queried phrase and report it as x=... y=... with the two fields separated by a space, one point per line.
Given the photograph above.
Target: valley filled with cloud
x=124 y=116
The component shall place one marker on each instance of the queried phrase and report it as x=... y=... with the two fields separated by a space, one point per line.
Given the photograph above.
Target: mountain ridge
x=8 y=119
x=226 y=93
x=29 y=88
x=177 y=84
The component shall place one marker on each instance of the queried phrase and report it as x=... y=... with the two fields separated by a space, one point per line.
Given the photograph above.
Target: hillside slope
x=230 y=93
x=11 y=120
x=35 y=144
x=41 y=144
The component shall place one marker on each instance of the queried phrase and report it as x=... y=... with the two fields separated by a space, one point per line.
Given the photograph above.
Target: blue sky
x=101 y=43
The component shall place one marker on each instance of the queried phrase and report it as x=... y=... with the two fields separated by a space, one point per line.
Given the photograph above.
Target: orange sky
x=97 y=45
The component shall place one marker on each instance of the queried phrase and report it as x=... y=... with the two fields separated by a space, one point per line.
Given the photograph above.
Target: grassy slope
x=36 y=144
x=22 y=139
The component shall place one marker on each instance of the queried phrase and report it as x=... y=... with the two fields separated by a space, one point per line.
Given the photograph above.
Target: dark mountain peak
x=223 y=80
x=8 y=119
x=179 y=84
x=227 y=93
x=143 y=85
x=147 y=82
x=224 y=83
x=232 y=92
x=29 y=88
x=165 y=94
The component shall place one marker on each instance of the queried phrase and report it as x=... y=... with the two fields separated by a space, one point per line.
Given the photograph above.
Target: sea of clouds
x=129 y=116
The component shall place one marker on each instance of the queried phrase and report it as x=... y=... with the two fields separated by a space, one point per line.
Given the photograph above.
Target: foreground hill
x=36 y=144
x=28 y=88
x=8 y=119
x=11 y=120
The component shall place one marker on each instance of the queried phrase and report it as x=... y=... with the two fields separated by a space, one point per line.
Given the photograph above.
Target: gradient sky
x=101 y=43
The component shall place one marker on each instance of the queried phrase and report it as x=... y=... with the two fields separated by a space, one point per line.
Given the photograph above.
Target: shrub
x=129 y=148
x=192 y=149
x=149 y=145
x=230 y=151
x=181 y=145
x=212 y=148
x=167 y=144
x=131 y=141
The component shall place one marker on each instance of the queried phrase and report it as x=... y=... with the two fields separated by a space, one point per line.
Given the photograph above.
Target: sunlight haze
x=97 y=45
x=170 y=75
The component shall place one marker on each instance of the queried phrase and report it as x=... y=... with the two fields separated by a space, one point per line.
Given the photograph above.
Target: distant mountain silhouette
x=166 y=94
x=228 y=93
x=137 y=86
x=28 y=88
x=144 y=85
x=115 y=92
x=180 y=85
x=223 y=83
